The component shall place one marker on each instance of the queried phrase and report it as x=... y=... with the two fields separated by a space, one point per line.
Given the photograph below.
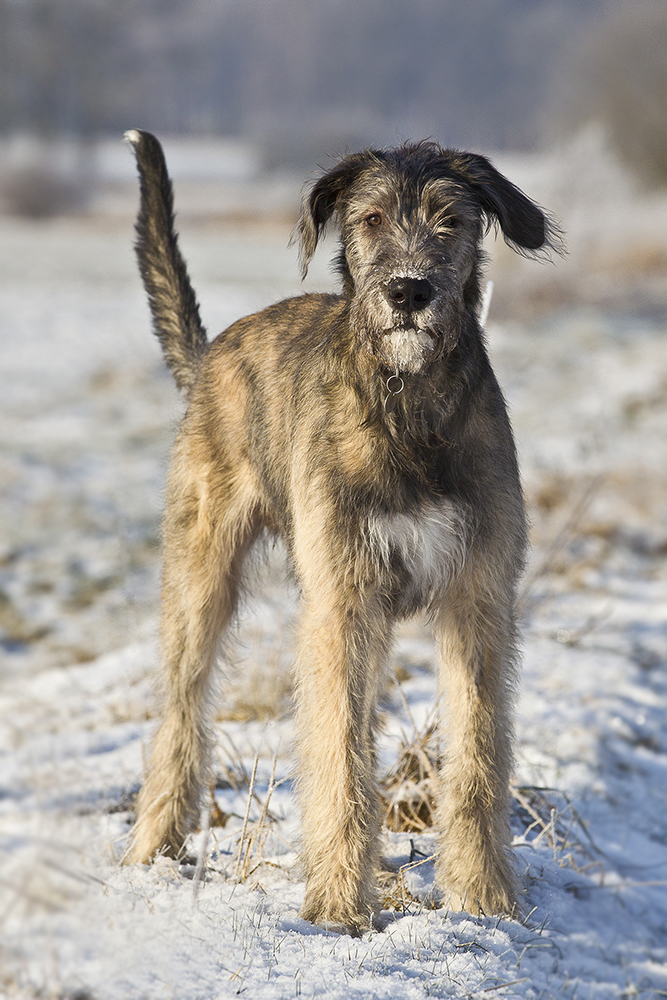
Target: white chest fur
x=430 y=541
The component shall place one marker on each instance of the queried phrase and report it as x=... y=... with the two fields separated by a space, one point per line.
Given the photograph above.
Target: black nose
x=409 y=293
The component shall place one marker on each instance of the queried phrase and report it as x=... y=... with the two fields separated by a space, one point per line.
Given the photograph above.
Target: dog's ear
x=324 y=198
x=526 y=227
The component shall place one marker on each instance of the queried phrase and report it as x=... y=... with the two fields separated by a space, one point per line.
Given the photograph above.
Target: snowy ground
x=88 y=414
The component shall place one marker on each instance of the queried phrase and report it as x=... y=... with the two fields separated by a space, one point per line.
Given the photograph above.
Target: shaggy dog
x=368 y=431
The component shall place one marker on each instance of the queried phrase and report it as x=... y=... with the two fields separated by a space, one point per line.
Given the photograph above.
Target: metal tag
x=395 y=386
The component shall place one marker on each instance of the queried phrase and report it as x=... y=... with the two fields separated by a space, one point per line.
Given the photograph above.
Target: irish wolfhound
x=367 y=430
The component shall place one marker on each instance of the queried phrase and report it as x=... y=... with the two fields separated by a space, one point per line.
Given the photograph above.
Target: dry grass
x=560 y=504
x=261 y=693
x=254 y=834
x=409 y=789
x=398 y=897
x=584 y=526
x=261 y=684
x=539 y=815
x=258 y=819
x=547 y=816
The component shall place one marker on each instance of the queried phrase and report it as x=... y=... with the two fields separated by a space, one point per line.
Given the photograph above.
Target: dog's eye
x=445 y=226
x=374 y=220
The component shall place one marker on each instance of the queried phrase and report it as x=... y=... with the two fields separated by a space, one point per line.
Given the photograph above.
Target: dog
x=368 y=431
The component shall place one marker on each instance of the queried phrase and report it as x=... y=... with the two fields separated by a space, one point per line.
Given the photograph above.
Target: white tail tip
x=486 y=304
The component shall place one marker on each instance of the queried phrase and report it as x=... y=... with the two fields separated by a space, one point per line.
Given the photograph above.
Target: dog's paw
x=481 y=882
x=147 y=843
x=328 y=919
x=481 y=901
x=351 y=913
x=141 y=853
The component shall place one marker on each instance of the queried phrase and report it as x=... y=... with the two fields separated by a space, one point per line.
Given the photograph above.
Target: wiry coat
x=388 y=502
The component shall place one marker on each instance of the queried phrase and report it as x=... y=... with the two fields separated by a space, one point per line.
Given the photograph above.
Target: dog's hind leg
x=475 y=628
x=343 y=645
x=209 y=524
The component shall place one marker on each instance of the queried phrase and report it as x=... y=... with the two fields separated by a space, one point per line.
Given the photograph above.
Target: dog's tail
x=173 y=303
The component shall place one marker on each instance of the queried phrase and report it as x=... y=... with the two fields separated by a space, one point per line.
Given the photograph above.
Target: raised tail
x=174 y=306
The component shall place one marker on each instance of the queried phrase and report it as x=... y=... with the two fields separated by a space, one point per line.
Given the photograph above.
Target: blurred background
x=291 y=80
x=250 y=98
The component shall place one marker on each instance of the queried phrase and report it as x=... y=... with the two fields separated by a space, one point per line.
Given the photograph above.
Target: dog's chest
x=428 y=542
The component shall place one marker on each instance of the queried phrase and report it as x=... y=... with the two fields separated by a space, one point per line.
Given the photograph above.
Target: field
x=88 y=413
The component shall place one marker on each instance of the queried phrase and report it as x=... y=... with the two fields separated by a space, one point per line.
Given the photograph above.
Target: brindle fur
x=383 y=514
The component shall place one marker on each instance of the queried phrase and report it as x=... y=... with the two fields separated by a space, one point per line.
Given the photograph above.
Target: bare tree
x=620 y=79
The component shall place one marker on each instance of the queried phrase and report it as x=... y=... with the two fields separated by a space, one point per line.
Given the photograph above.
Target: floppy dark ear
x=323 y=199
x=524 y=225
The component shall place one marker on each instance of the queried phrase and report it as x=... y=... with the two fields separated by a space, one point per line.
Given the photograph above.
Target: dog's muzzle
x=406 y=346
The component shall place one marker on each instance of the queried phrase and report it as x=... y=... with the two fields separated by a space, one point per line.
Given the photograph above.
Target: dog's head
x=412 y=220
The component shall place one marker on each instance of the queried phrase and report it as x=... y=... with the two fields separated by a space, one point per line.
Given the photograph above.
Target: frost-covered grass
x=88 y=415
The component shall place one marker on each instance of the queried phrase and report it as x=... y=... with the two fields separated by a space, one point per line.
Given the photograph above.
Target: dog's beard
x=406 y=350
x=412 y=343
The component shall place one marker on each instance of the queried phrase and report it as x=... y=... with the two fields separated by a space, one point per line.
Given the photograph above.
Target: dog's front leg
x=476 y=637
x=344 y=636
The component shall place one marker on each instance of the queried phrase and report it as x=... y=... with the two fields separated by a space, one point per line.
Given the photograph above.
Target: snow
x=88 y=415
